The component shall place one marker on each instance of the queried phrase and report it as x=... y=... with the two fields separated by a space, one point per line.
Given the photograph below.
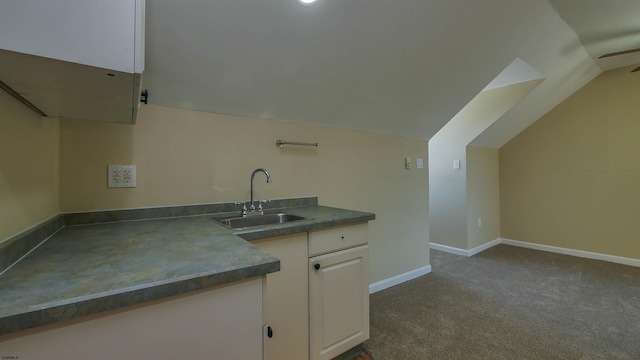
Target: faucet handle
x=244 y=206
x=260 y=202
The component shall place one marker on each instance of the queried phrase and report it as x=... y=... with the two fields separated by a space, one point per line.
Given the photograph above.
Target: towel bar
x=281 y=143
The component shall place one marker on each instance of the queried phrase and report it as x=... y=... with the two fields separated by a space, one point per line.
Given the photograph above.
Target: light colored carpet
x=510 y=303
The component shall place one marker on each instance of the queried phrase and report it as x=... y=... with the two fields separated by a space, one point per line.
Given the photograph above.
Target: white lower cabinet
x=287 y=299
x=317 y=305
x=338 y=301
x=218 y=323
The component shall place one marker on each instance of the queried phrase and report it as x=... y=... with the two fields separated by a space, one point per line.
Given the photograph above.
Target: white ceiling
x=604 y=26
x=402 y=67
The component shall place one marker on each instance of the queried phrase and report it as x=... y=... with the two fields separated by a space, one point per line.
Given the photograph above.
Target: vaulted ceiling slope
x=604 y=26
x=402 y=67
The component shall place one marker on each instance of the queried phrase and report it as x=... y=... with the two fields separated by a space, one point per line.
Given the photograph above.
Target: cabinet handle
x=316 y=266
x=269 y=332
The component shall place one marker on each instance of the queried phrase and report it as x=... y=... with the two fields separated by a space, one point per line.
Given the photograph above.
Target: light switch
x=407 y=163
x=456 y=164
x=419 y=164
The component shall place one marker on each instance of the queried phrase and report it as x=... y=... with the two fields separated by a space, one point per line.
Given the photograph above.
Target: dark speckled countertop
x=86 y=269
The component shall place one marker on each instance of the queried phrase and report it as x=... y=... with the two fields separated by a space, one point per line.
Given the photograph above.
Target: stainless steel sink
x=257 y=220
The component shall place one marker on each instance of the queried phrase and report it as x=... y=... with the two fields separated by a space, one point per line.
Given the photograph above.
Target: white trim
x=463 y=252
x=410 y=275
x=572 y=252
x=484 y=246
x=449 y=249
x=399 y=279
x=534 y=246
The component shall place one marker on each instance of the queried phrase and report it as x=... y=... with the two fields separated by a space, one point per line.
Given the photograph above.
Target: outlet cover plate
x=121 y=176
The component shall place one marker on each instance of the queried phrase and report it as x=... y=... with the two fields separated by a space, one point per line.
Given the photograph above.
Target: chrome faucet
x=253 y=175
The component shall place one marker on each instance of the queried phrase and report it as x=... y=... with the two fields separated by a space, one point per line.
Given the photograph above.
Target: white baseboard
x=484 y=246
x=399 y=279
x=572 y=252
x=534 y=246
x=463 y=252
x=449 y=249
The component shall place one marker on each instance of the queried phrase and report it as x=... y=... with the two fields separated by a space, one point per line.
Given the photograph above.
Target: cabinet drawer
x=338 y=238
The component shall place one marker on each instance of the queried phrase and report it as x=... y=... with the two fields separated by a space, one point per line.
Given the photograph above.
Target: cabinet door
x=338 y=301
x=287 y=298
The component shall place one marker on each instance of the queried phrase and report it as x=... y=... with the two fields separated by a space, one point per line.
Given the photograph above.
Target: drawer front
x=338 y=238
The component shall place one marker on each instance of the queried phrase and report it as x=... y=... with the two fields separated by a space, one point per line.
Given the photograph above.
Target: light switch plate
x=419 y=164
x=456 y=164
x=121 y=176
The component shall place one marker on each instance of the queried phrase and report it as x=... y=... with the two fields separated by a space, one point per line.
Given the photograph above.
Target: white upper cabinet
x=102 y=33
x=79 y=59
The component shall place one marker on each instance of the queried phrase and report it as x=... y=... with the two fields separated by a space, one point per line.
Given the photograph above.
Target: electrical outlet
x=119 y=176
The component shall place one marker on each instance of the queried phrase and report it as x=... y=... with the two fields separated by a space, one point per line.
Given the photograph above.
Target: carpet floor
x=510 y=303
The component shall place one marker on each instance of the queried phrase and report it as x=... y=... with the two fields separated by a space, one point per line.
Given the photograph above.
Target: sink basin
x=257 y=220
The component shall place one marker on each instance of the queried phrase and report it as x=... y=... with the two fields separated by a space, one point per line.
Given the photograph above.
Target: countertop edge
x=294 y=228
x=101 y=303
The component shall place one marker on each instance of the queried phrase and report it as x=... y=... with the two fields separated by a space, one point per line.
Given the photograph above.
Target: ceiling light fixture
x=306 y=2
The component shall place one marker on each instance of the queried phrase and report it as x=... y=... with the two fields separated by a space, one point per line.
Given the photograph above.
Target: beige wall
x=448 y=188
x=190 y=157
x=483 y=196
x=572 y=179
x=28 y=167
x=447 y=195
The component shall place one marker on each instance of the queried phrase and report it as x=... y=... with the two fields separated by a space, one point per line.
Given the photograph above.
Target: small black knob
x=316 y=266
x=342 y=237
x=269 y=332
